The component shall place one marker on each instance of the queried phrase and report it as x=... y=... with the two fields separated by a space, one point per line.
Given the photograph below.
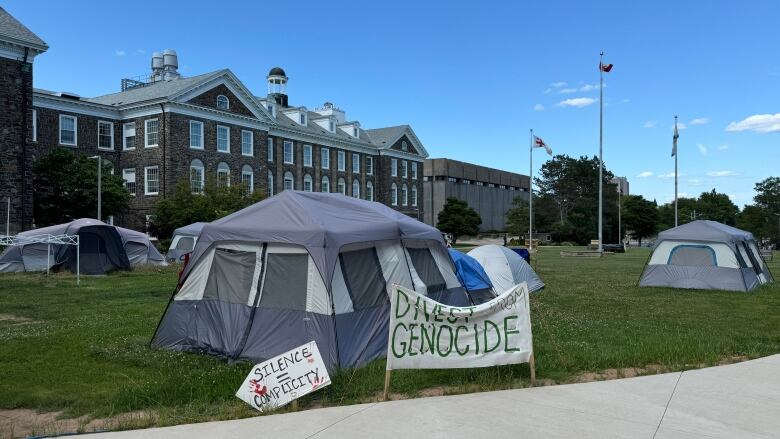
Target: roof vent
x=157 y=66
x=170 y=64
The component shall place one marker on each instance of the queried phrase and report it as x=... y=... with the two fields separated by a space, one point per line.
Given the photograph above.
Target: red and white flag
x=539 y=143
x=605 y=67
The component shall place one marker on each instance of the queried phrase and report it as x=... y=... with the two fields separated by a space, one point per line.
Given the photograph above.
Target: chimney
x=157 y=66
x=170 y=64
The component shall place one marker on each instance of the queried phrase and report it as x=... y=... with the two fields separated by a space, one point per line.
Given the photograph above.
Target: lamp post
x=100 y=182
x=777 y=245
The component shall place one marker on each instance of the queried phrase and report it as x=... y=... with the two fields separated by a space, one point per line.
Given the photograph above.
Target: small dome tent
x=705 y=255
x=473 y=277
x=102 y=248
x=303 y=266
x=183 y=241
x=505 y=268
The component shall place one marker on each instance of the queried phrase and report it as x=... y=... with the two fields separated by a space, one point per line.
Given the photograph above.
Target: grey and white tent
x=303 y=266
x=505 y=268
x=183 y=241
x=705 y=255
x=102 y=248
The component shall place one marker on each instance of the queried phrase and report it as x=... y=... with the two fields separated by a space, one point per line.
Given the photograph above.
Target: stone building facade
x=169 y=129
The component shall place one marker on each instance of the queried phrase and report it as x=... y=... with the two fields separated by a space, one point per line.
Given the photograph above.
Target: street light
x=777 y=245
x=100 y=178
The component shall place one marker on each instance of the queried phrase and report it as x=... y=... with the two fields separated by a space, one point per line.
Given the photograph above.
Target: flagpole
x=601 y=146
x=531 y=190
x=676 y=153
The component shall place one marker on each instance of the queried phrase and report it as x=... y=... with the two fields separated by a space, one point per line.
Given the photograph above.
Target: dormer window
x=223 y=103
x=303 y=119
x=355 y=131
x=272 y=110
x=404 y=146
x=332 y=126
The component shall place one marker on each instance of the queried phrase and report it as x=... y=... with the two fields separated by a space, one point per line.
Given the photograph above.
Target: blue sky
x=473 y=78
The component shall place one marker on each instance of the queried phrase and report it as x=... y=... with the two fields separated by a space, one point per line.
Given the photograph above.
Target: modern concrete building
x=489 y=191
x=622 y=185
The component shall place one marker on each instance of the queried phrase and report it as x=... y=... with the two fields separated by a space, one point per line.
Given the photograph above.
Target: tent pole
x=48 y=257
x=532 y=364
x=255 y=303
x=388 y=374
x=78 y=261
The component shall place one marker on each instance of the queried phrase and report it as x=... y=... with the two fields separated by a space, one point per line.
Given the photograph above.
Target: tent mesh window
x=693 y=256
x=185 y=243
x=284 y=286
x=756 y=264
x=427 y=270
x=230 y=278
x=364 y=279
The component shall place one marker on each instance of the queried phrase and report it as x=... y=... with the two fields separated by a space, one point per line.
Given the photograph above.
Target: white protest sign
x=425 y=334
x=281 y=379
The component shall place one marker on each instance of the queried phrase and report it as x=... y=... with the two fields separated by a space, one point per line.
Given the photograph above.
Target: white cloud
x=700 y=121
x=548 y=91
x=680 y=126
x=723 y=147
x=119 y=52
x=650 y=124
x=567 y=90
x=644 y=174
x=140 y=51
x=722 y=173
x=702 y=149
x=695 y=181
x=538 y=107
x=559 y=84
x=591 y=87
x=577 y=102
x=760 y=123
x=670 y=175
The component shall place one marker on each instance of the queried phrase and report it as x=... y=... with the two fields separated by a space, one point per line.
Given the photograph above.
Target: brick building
x=167 y=128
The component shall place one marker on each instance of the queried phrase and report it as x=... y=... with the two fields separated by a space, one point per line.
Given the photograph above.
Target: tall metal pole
x=531 y=191
x=100 y=184
x=8 y=217
x=601 y=147
x=676 y=153
x=620 y=195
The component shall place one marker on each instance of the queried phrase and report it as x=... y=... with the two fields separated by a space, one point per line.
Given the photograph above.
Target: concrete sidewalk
x=736 y=401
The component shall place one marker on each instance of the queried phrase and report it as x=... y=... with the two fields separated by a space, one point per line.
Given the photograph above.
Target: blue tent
x=472 y=276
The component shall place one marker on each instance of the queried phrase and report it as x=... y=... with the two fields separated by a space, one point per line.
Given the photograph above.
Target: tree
x=517 y=217
x=686 y=209
x=640 y=217
x=65 y=188
x=184 y=207
x=758 y=221
x=458 y=219
x=717 y=207
x=768 y=194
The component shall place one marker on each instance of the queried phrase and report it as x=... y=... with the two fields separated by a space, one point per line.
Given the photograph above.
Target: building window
x=480 y=183
x=151 y=128
x=223 y=139
x=68 y=126
x=128 y=136
x=394 y=167
x=223 y=175
x=270 y=147
x=341 y=159
x=369 y=166
x=332 y=126
x=151 y=180
x=356 y=188
x=369 y=191
x=414 y=170
x=105 y=135
x=355 y=131
x=306 y=155
x=128 y=175
x=196 y=134
x=247 y=143
x=108 y=167
x=404 y=195
x=288 y=152
x=394 y=194
x=491 y=185
x=223 y=103
x=356 y=163
x=270 y=183
x=196 y=176
x=308 y=186
x=341 y=186
x=247 y=179
x=35 y=125
x=325 y=158
x=414 y=196
x=404 y=169
x=325 y=184
x=452 y=179
x=288 y=181
x=404 y=146
x=303 y=118
x=271 y=110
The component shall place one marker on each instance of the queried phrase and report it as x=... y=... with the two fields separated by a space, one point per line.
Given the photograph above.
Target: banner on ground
x=425 y=334
x=282 y=379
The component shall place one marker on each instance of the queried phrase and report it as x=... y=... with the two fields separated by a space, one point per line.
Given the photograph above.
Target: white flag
x=539 y=143
x=674 y=140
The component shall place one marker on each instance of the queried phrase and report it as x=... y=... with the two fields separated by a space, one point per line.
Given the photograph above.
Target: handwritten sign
x=278 y=381
x=425 y=334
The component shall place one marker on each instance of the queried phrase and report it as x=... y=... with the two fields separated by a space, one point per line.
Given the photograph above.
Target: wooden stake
x=294 y=405
x=532 y=363
x=387 y=384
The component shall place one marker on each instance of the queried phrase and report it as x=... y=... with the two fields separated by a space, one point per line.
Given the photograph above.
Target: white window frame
x=404 y=169
x=394 y=167
x=307 y=179
x=222 y=171
x=270 y=148
x=341 y=161
x=307 y=148
x=325 y=182
x=414 y=196
x=146 y=134
x=369 y=165
x=332 y=126
x=202 y=172
x=394 y=194
x=35 y=125
x=369 y=191
x=302 y=119
x=125 y=136
x=251 y=143
x=270 y=182
x=355 y=163
x=124 y=179
x=251 y=174
x=404 y=195
x=291 y=144
x=226 y=100
x=111 y=134
x=414 y=170
x=358 y=188
x=341 y=186
x=146 y=180
x=291 y=180
x=197 y=122
x=325 y=158
x=75 y=130
x=224 y=127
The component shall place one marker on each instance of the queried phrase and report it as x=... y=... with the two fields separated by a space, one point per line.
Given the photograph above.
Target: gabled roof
x=165 y=89
x=704 y=230
x=12 y=31
x=312 y=127
x=384 y=138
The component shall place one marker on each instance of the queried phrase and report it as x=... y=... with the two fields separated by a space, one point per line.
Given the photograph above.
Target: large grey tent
x=102 y=248
x=505 y=268
x=706 y=255
x=183 y=241
x=303 y=266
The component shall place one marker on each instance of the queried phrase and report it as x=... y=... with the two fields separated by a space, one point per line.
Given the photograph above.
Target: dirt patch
x=10 y=319
x=18 y=423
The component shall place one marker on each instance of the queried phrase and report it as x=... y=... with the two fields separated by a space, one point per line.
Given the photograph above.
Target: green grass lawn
x=84 y=349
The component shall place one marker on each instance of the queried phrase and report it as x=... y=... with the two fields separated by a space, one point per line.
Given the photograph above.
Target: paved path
x=735 y=401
